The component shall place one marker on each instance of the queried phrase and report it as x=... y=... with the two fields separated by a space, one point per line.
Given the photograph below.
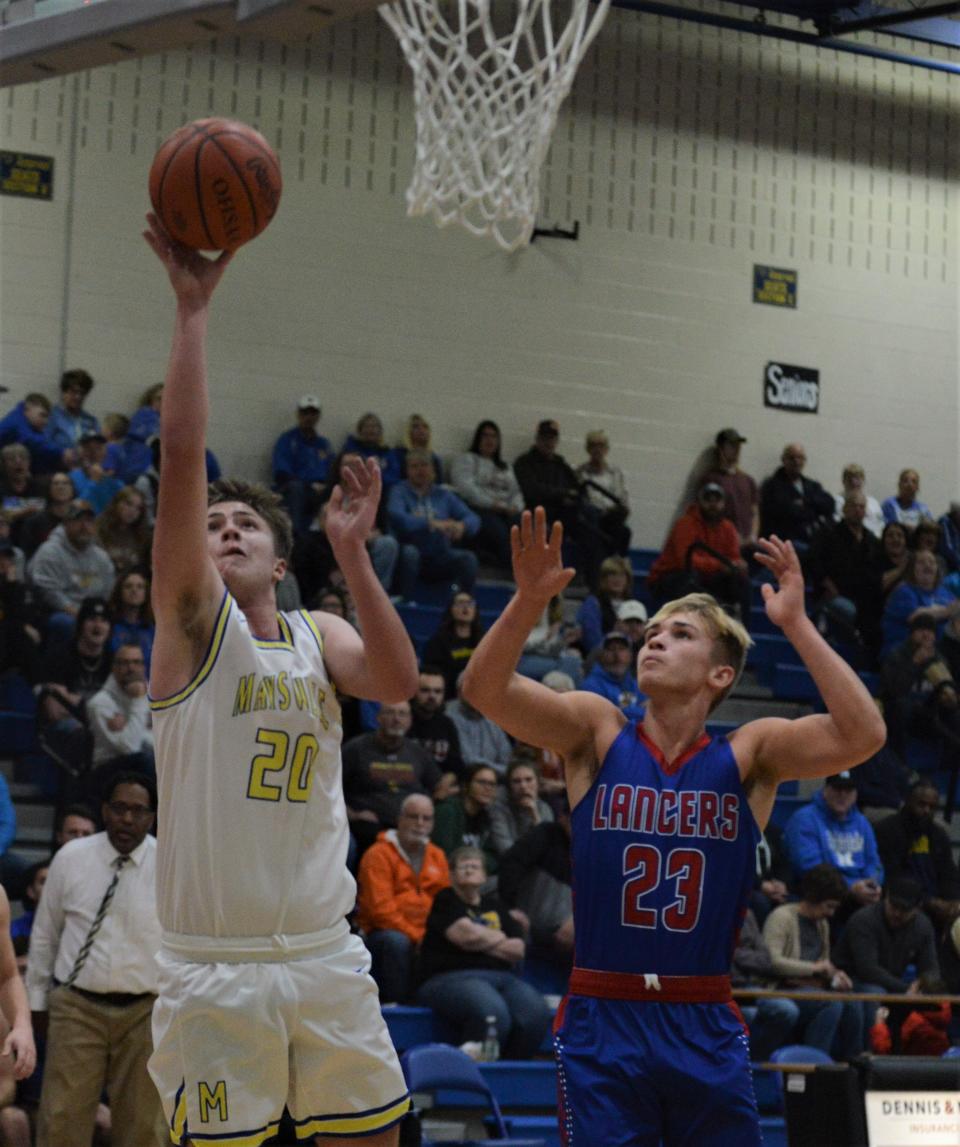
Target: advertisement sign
x=28 y=175
x=787 y=387
x=913 y=1118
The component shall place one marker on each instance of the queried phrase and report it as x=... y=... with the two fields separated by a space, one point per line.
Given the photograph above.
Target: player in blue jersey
x=665 y=819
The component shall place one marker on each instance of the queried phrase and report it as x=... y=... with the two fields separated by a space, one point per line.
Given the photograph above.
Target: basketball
x=215 y=184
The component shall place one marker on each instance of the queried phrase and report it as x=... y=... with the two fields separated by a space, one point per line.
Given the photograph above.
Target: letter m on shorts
x=213 y=1100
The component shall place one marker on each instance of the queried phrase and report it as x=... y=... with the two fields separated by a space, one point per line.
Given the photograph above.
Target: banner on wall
x=775 y=286
x=913 y=1118
x=28 y=175
x=795 y=388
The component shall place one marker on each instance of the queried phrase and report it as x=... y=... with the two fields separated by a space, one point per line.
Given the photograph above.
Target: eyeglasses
x=137 y=811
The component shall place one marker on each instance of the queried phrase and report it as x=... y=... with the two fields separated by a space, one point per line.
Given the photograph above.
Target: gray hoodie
x=63 y=575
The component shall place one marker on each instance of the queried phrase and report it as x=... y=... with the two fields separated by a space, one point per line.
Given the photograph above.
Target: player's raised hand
x=193 y=276
x=785 y=604
x=352 y=509
x=538 y=567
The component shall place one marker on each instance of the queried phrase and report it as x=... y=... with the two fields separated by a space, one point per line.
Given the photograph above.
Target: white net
x=488 y=86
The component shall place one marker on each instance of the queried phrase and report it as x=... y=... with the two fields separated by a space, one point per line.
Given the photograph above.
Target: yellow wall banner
x=775 y=286
x=28 y=175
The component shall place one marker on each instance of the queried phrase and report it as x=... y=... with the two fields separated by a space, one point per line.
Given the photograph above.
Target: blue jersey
x=663 y=860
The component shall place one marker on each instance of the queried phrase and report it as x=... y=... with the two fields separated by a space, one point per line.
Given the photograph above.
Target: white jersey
x=252 y=829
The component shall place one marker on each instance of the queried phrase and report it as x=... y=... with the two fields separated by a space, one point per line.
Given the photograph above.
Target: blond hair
x=730 y=638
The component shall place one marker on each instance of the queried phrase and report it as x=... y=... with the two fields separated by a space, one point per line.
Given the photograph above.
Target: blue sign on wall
x=28 y=175
x=775 y=286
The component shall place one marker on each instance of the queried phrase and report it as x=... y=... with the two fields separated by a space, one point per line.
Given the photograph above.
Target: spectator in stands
x=791 y=506
x=301 y=464
x=798 y=937
x=146 y=418
x=368 y=442
x=739 y=488
x=380 y=769
x=770 y=1021
x=551 y=645
x=400 y=874
x=464 y=818
x=773 y=873
x=68 y=568
x=432 y=726
x=844 y=568
x=924 y=1030
x=519 y=808
x=149 y=481
x=632 y=620
x=91 y=481
x=470 y=950
x=854 y=480
x=26 y=425
x=20 y=493
x=124 y=532
x=455 y=639
x=20 y=640
x=896 y=557
x=547 y=479
x=882 y=784
x=489 y=487
x=69 y=681
x=436 y=521
x=68 y=420
x=950 y=537
x=612 y=676
x=34 y=879
x=416 y=436
x=911 y=843
x=881 y=941
x=702 y=554
x=904 y=506
x=605 y=488
x=126 y=458
x=98 y=985
x=535 y=877
x=920 y=592
x=119 y=720
x=482 y=742
x=920 y=696
x=926 y=537
x=72 y=822
x=35 y=528
x=832 y=830
x=597 y=614
x=131 y=614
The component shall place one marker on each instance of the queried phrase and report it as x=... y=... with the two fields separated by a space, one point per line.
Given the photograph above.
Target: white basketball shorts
x=234 y=1042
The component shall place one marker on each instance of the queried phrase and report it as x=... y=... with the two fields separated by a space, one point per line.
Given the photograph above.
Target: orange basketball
x=215 y=184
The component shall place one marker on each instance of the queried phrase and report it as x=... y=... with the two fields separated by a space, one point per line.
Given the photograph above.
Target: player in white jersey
x=265 y=997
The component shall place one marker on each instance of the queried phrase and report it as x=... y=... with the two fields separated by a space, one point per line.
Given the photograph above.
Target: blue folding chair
x=800 y=1053
x=437 y=1067
x=951 y=1053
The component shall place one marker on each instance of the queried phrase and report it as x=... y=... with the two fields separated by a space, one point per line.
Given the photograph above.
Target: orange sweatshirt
x=391 y=895
x=690 y=527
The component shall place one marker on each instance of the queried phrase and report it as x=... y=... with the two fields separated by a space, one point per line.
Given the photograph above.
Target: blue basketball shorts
x=644 y=1074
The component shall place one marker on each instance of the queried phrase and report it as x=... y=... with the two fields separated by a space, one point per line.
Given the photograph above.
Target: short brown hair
x=76 y=378
x=35 y=399
x=263 y=502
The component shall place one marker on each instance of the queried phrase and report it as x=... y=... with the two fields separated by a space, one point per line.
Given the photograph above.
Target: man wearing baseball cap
x=702 y=555
x=612 y=675
x=739 y=487
x=301 y=464
x=90 y=479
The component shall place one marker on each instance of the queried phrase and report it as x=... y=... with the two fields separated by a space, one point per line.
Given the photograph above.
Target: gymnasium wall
x=686 y=154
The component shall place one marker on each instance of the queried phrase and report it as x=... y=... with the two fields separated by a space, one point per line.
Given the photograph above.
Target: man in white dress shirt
x=92 y=976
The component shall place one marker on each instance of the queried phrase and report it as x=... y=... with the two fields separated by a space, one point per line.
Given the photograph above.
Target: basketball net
x=488 y=86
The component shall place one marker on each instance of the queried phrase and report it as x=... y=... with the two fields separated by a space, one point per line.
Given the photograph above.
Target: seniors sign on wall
x=794 y=388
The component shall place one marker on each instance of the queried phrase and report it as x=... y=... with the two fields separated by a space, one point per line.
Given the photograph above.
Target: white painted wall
x=687 y=154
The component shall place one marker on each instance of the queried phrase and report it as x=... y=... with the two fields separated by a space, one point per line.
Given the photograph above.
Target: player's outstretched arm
x=13 y=1001
x=186 y=585
x=850 y=731
x=526 y=709
x=381 y=665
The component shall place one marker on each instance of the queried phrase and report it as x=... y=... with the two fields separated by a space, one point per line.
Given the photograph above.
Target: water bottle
x=491 y=1041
